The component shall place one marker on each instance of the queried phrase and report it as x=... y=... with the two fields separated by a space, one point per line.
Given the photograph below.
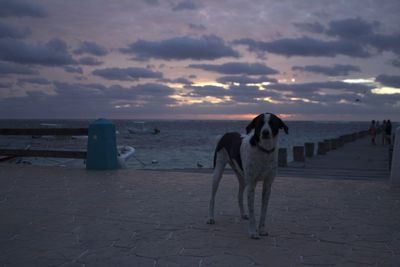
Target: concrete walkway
x=55 y=216
x=52 y=216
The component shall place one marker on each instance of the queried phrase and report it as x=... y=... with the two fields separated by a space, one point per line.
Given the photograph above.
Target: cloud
x=126 y=74
x=78 y=100
x=197 y=27
x=7 y=30
x=91 y=48
x=151 y=2
x=208 y=47
x=311 y=27
x=12 y=68
x=41 y=81
x=363 y=32
x=337 y=70
x=20 y=8
x=184 y=5
x=395 y=63
x=351 y=28
x=305 y=89
x=237 y=68
x=243 y=79
x=177 y=80
x=90 y=61
x=51 y=54
x=306 y=47
x=73 y=70
x=389 y=80
x=5 y=85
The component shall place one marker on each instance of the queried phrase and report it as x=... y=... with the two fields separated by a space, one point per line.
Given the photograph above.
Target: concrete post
x=102 y=146
x=282 y=157
x=309 y=147
x=321 y=148
x=298 y=153
x=395 y=171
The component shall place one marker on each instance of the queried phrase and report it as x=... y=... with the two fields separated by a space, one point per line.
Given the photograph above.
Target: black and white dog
x=253 y=157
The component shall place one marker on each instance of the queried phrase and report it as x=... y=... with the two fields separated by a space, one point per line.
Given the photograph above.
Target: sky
x=210 y=59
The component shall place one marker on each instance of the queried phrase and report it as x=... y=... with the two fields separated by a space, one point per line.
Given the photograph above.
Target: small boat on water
x=124 y=153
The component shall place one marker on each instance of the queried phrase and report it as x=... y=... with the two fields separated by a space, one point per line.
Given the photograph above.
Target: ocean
x=180 y=144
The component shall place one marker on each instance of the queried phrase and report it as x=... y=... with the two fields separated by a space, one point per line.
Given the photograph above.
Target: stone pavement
x=57 y=216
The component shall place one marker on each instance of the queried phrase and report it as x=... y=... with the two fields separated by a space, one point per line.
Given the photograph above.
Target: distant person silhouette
x=372 y=130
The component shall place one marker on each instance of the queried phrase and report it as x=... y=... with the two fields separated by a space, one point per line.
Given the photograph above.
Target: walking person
x=372 y=130
x=388 y=132
x=383 y=132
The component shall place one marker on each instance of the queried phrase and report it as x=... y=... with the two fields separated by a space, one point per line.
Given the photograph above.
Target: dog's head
x=266 y=128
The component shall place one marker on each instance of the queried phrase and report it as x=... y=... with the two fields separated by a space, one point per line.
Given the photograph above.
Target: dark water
x=180 y=144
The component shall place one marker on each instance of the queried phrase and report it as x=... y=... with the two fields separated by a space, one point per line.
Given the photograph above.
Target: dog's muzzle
x=265 y=134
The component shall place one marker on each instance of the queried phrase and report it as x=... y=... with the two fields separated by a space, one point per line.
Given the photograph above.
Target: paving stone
x=73 y=217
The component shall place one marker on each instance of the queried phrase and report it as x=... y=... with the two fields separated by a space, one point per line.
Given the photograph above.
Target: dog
x=253 y=157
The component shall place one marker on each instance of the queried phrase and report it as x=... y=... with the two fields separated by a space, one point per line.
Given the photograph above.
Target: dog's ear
x=255 y=124
x=251 y=126
x=283 y=126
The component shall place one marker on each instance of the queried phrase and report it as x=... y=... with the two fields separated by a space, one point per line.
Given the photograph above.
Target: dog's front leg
x=242 y=187
x=252 y=219
x=266 y=191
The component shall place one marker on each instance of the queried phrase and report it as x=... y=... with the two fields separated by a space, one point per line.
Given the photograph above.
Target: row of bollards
x=301 y=152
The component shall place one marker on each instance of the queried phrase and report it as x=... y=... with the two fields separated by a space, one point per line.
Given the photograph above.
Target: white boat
x=124 y=153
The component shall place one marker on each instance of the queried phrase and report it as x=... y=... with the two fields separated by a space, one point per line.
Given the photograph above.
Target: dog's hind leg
x=266 y=192
x=242 y=186
x=217 y=175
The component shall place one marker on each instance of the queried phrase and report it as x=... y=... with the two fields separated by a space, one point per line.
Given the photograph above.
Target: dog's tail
x=217 y=148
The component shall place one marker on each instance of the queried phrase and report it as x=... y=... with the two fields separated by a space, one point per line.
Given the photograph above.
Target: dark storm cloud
x=207 y=47
x=41 y=81
x=91 y=48
x=7 y=30
x=237 y=68
x=126 y=74
x=73 y=70
x=12 y=68
x=243 y=79
x=184 y=5
x=90 y=61
x=307 y=47
x=51 y=54
x=336 y=70
x=20 y=8
x=389 y=80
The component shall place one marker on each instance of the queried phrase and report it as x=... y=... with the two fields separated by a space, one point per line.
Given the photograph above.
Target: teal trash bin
x=102 y=146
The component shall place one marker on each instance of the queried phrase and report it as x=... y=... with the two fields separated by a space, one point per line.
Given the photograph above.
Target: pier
x=333 y=209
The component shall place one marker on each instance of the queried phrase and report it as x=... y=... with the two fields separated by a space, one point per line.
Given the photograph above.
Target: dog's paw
x=264 y=233
x=210 y=221
x=245 y=217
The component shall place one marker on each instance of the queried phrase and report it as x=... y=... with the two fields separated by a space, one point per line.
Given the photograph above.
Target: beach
x=63 y=216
